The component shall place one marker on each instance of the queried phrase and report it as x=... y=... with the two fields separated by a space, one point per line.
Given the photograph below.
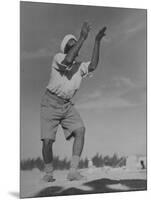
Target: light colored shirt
x=65 y=83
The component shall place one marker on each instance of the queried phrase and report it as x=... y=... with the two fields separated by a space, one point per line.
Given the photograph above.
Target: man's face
x=70 y=44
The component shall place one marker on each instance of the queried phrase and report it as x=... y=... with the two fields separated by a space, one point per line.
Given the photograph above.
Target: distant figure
x=90 y=163
x=142 y=164
x=91 y=167
x=57 y=106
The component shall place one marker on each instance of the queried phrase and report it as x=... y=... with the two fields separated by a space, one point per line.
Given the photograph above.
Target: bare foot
x=48 y=178
x=75 y=176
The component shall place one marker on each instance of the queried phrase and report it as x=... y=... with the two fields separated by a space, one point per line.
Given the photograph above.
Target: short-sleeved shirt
x=65 y=81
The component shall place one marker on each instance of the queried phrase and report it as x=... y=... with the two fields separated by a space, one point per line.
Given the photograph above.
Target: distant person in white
x=57 y=106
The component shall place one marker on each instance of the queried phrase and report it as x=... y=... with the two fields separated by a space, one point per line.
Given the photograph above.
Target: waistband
x=55 y=97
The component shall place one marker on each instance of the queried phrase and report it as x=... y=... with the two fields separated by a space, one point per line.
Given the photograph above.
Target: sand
x=98 y=180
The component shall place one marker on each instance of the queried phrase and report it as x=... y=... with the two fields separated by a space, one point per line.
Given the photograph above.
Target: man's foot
x=75 y=176
x=48 y=178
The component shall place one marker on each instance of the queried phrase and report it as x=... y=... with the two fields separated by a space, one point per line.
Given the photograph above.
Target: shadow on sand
x=97 y=186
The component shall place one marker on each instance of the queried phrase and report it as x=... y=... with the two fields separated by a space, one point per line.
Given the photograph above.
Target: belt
x=56 y=97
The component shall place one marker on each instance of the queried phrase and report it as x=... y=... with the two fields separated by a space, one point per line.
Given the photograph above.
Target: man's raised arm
x=96 y=50
x=74 y=51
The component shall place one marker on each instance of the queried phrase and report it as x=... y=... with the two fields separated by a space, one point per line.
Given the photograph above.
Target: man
x=56 y=105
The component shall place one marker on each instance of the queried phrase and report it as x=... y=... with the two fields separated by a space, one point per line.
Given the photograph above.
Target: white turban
x=65 y=41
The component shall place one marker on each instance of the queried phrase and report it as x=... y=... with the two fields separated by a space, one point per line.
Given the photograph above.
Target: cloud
x=96 y=94
x=117 y=85
x=135 y=29
x=43 y=52
x=127 y=28
x=119 y=92
x=105 y=103
x=135 y=23
x=123 y=82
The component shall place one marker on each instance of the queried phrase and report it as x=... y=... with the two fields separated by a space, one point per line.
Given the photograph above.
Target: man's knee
x=47 y=142
x=80 y=132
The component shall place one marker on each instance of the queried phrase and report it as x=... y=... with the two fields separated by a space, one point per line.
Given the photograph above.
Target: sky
x=112 y=102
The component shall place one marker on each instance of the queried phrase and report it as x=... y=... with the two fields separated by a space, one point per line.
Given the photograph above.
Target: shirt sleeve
x=58 y=58
x=84 y=69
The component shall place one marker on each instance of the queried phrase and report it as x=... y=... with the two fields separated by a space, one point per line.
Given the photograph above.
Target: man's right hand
x=85 y=30
x=72 y=54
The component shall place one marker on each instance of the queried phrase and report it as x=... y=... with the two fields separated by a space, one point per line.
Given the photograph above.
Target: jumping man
x=56 y=105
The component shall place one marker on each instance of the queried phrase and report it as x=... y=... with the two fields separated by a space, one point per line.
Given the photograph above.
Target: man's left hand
x=101 y=34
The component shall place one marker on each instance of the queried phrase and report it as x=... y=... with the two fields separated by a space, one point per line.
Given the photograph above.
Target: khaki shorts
x=55 y=111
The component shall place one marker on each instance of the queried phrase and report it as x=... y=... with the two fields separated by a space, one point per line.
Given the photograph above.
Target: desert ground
x=98 y=180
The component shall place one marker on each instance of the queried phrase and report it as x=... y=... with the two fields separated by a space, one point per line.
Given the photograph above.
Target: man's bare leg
x=78 y=144
x=47 y=152
x=78 y=141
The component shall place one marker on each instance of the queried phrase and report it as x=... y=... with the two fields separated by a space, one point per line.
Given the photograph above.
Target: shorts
x=54 y=111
